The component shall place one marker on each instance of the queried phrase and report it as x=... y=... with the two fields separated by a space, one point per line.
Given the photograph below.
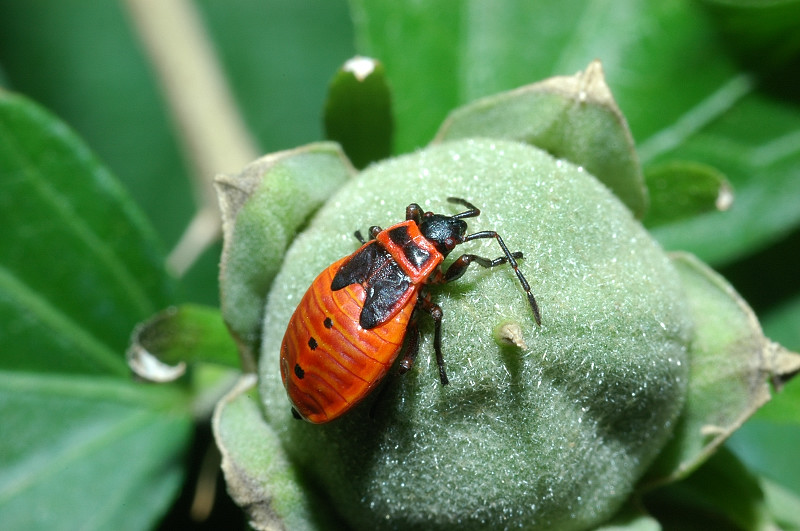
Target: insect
x=362 y=311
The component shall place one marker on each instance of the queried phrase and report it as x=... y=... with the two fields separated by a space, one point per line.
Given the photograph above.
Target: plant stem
x=208 y=124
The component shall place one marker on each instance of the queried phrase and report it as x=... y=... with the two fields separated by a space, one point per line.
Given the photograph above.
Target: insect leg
x=509 y=257
x=471 y=213
x=436 y=314
x=459 y=267
x=373 y=232
x=411 y=348
x=425 y=303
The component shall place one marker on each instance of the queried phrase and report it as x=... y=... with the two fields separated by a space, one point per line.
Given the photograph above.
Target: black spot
x=312 y=344
x=362 y=264
x=298 y=371
x=327 y=322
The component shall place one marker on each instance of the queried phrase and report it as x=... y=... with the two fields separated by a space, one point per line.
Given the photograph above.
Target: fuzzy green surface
x=263 y=207
x=555 y=436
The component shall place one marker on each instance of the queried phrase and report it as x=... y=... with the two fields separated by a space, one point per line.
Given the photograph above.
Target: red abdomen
x=328 y=362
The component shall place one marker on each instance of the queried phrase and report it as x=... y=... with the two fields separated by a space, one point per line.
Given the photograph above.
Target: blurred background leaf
x=669 y=65
x=86 y=446
x=80 y=264
x=681 y=190
x=87 y=452
x=83 y=61
x=722 y=494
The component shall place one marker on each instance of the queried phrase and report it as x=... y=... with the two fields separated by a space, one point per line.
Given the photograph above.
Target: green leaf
x=681 y=189
x=631 y=518
x=575 y=118
x=88 y=452
x=263 y=207
x=119 y=113
x=162 y=346
x=80 y=266
x=783 y=505
x=100 y=82
x=358 y=111
x=258 y=472
x=730 y=363
x=765 y=444
x=585 y=408
x=490 y=48
x=280 y=94
x=761 y=162
x=764 y=34
x=722 y=494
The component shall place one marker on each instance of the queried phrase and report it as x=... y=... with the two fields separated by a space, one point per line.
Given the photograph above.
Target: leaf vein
x=59 y=323
x=697 y=117
x=64 y=209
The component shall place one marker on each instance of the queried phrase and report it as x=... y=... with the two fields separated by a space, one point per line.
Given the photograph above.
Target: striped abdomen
x=328 y=361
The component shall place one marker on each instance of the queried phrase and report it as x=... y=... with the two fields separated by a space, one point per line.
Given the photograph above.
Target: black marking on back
x=413 y=252
x=382 y=278
x=382 y=297
x=299 y=372
x=417 y=255
x=399 y=235
x=328 y=323
x=360 y=266
x=312 y=344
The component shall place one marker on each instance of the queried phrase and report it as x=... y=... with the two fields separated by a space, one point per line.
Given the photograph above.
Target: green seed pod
x=553 y=436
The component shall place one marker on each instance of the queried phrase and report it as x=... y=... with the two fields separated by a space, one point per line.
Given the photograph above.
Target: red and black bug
x=362 y=310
